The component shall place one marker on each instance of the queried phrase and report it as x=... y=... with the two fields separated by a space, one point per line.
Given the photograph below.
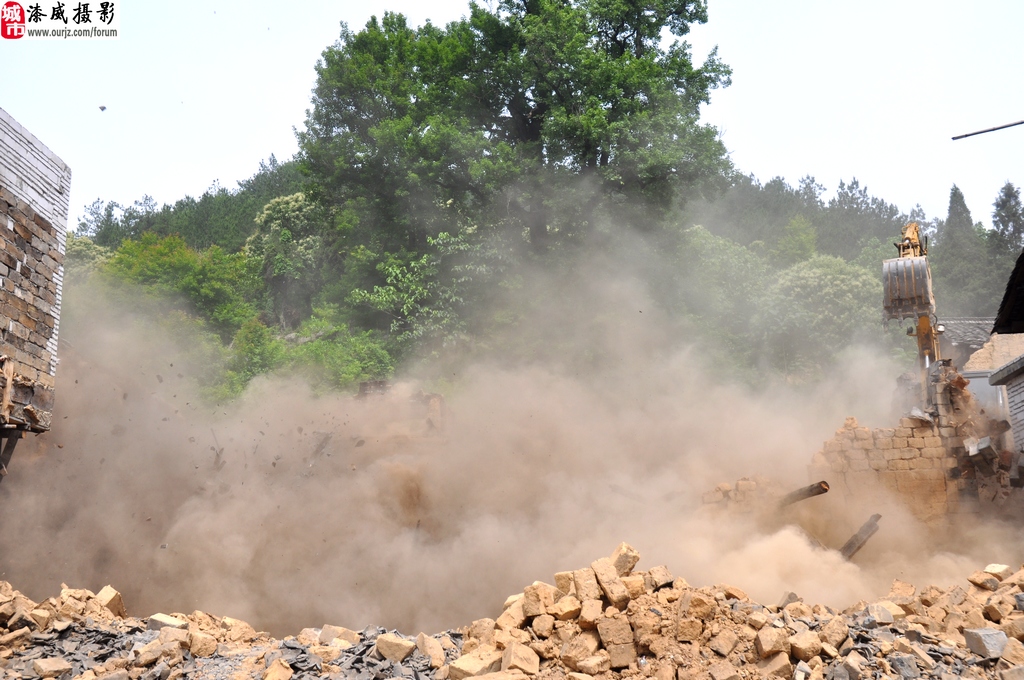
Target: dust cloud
x=290 y=509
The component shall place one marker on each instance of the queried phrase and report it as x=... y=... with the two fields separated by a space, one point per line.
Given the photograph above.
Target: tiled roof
x=972 y=331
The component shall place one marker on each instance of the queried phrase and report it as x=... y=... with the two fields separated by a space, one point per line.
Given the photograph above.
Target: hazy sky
x=202 y=91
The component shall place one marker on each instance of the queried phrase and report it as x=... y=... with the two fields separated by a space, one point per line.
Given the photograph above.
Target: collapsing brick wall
x=34 y=195
x=932 y=462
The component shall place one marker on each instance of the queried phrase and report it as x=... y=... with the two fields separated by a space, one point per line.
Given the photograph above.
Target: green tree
x=1008 y=219
x=816 y=309
x=797 y=244
x=962 y=276
x=289 y=246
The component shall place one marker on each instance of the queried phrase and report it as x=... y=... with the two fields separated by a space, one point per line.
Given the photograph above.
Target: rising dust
x=289 y=509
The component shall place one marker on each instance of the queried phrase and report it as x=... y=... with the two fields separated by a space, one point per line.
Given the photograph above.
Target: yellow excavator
x=907 y=282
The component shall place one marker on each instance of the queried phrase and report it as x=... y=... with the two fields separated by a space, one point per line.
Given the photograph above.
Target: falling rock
x=483 y=659
x=723 y=670
x=329 y=633
x=624 y=559
x=158 y=621
x=111 y=600
x=51 y=668
x=393 y=647
x=278 y=670
x=520 y=657
x=987 y=643
x=880 y=614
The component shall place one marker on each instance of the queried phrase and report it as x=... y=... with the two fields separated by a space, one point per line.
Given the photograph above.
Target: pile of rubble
x=602 y=622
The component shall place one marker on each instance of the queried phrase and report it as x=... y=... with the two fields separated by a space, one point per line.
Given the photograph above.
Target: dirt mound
x=603 y=621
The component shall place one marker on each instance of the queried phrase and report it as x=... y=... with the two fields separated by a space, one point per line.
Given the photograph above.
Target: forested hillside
x=504 y=188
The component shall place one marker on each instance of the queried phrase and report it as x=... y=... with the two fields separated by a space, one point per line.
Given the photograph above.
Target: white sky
x=202 y=91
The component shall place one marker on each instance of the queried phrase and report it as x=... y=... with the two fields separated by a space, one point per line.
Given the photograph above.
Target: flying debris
x=103 y=108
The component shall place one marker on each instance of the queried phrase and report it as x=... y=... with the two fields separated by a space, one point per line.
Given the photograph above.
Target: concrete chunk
x=430 y=648
x=587 y=587
x=566 y=609
x=805 y=646
x=328 y=633
x=771 y=640
x=658 y=577
x=621 y=656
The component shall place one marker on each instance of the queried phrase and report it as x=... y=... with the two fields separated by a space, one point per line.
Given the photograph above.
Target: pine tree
x=1008 y=218
x=959 y=263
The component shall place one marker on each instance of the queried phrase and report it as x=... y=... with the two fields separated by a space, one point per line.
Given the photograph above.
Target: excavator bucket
x=908 y=288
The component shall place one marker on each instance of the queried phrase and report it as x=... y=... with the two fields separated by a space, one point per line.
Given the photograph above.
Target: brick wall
x=922 y=462
x=34 y=194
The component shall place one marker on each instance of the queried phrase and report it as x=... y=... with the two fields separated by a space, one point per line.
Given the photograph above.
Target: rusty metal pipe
x=803 y=494
x=858 y=540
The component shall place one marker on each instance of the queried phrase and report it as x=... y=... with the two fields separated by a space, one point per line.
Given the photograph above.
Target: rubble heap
x=601 y=622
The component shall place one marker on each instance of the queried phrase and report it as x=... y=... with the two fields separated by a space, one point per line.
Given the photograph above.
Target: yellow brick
x=863 y=433
x=899 y=442
x=878 y=464
x=933 y=441
x=933 y=452
x=923 y=432
x=916 y=443
x=899 y=465
x=903 y=432
x=883 y=443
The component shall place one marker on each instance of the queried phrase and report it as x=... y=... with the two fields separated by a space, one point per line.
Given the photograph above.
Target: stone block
x=1013 y=652
x=611 y=585
x=512 y=617
x=431 y=648
x=393 y=647
x=776 y=666
x=579 y=648
x=658 y=577
x=591 y=611
x=566 y=609
x=1000 y=571
x=805 y=646
x=202 y=645
x=543 y=626
x=723 y=670
x=179 y=636
x=587 y=587
x=635 y=585
x=689 y=629
x=520 y=657
x=624 y=558
x=723 y=643
x=563 y=581
x=537 y=598
x=984 y=580
x=329 y=633
x=111 y=600
x=835 y=632
x=697 y=605
x=621 y=656
x=51 y=668
x=615 y=631
x=987 y=643
x=278 y=670
x=596 y=664
x=482 y=630
x=158 y=621
x=771 y=640
x=482 y=660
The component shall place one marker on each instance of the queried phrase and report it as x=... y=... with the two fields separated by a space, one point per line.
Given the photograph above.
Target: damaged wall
x=34 y=193
x=938 y=465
